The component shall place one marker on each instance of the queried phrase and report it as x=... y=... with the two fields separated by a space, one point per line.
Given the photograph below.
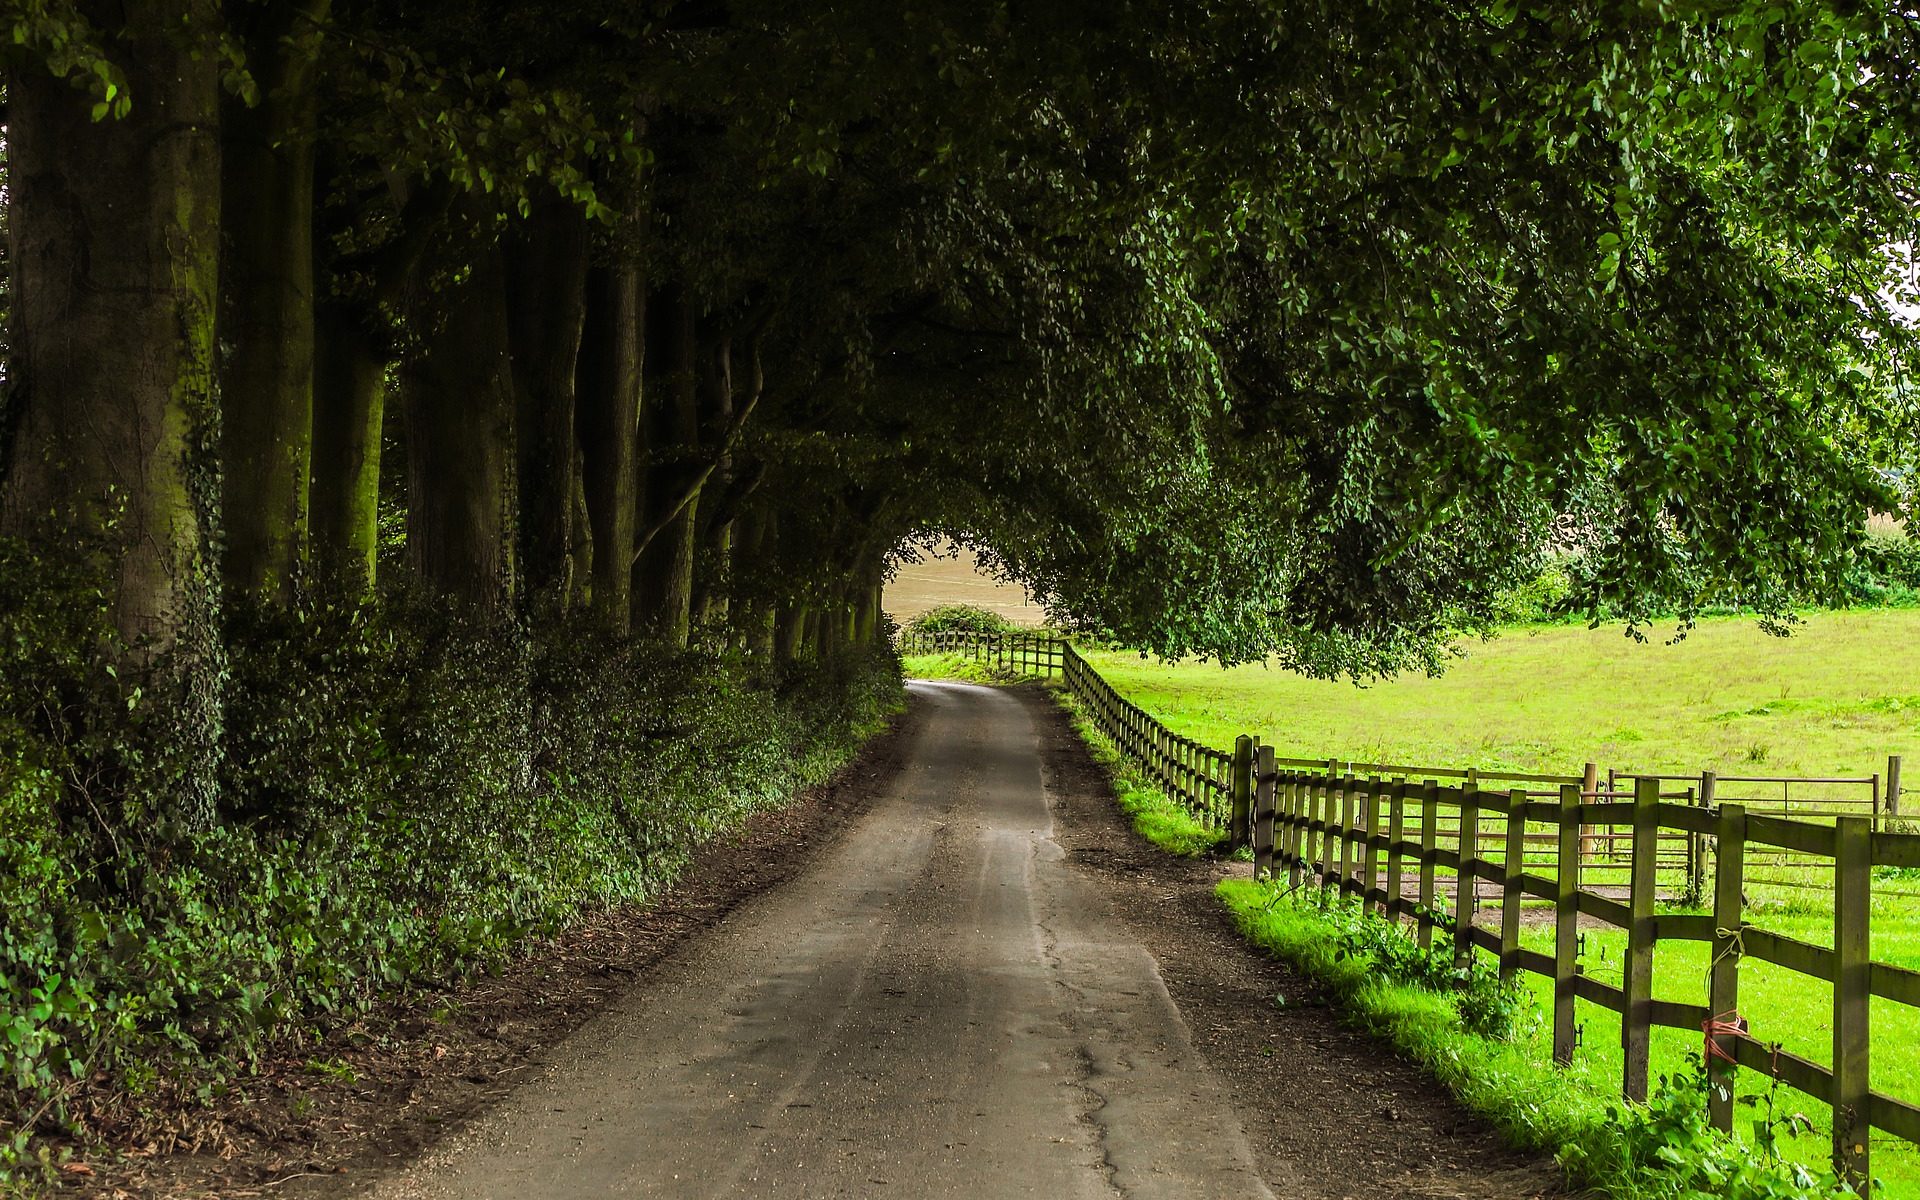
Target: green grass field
x=1835 y=699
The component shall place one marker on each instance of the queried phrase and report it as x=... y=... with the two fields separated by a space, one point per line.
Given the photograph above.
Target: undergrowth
x=1468 y=1030
x=403 y=796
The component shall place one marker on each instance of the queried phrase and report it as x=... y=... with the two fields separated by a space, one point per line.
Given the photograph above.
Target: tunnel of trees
x=426 y=419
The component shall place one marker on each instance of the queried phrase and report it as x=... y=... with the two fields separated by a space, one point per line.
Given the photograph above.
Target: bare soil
x=958 y=580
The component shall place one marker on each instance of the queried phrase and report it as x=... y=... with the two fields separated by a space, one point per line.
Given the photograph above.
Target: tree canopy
x=1241 y=328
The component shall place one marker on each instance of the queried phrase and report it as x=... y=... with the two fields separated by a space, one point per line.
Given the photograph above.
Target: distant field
x=1836 y=698
x=939 y=581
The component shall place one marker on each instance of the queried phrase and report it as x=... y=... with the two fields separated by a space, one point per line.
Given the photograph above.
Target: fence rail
x=1430 y=847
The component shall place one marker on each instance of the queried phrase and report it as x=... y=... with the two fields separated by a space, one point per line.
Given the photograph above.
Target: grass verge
x=1660 y=1151
x=1155 y=816
x=963 y=667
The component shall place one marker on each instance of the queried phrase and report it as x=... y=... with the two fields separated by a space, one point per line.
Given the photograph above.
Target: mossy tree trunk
x=866 y=612
x=115 y=230
x=790 y=642
x=111 y=417
x=461 y=499
x=350 y=401
x=546 y=265
x=609 y=430
x=354 y=354
x=267 y=299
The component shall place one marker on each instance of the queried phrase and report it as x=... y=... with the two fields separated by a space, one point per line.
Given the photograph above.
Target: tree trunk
x=665 y=585
x=349 y=408
x=866 y=613
x=110 y=415
x=267 y=317
x=755 y=615
x=580 y=566
x=790 y=639
x=115 y=228
x=715 y=525
x=460 y=446
x=546 y=265
x=609 y=429
x=355 y=348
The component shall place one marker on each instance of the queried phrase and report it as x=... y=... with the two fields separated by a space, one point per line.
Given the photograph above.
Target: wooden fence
x=1442 y=850
x=1026 y=653
x=1356 y=835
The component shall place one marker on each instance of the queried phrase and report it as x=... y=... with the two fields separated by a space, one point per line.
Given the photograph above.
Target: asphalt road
x=940 y=1006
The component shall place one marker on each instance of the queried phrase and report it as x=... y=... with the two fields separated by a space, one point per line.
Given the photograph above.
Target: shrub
x=1886 y=570
x=960 y=618
x=404 y=794
x=1543 y=599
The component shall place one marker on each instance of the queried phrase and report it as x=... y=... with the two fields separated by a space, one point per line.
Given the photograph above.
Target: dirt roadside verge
x=1330 y=1111
x=392 y=1083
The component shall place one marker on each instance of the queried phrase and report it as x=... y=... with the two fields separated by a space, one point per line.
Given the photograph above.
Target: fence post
x=1429 y=843
x=1396 y=860
x=1510 y=896
x=1292 y=807
x=1636 y=1024
x=1310 y=796
x=1852 y=988
x=1723 y=982
x=1241 y=831
x=1189 y=778
x=1697 y=842
x=1333 y=843
x=1589 y=793
x=1263 y=778
x=1349 y=826
x=1466 y=891
x=1892 y=805
x=1331 y=826
x=1369 y=853
x=1566 y=923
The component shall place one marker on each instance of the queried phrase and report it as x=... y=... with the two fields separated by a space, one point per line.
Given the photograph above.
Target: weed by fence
x=1427 y=847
